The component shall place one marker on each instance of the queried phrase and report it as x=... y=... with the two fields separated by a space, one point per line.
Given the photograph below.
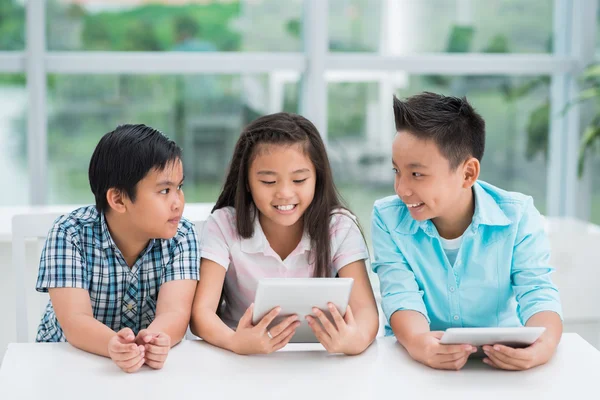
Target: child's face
x=159 y=202
x=424 y=180
x=282 y=182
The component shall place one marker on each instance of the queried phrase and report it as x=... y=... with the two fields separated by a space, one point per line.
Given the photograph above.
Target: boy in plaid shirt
x=122 y=274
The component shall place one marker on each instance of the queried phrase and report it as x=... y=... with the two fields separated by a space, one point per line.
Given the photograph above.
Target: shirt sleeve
x=531 y=270
x=347 y=242
x=213 y=244
x=185 y=260
x=62 y=264
x=398 y=285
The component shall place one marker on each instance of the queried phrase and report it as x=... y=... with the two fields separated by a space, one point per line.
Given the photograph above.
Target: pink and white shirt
x=249 y=260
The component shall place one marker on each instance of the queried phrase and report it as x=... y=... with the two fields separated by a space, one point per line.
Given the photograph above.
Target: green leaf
x=590 y=136
x=591 y=72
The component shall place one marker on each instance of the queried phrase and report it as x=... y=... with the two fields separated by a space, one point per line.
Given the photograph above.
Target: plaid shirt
x=80 y=253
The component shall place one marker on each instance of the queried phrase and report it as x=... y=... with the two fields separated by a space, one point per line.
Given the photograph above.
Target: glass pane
x=595 y=217
x=515 y=110
x=12 y=25
x=203 y=114
x=13 y=140
x=188 y=25
x=398 y=27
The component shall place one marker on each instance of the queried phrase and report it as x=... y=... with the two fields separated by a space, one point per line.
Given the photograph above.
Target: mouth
x=175 y=220
x=415 y=206
x=286 y=209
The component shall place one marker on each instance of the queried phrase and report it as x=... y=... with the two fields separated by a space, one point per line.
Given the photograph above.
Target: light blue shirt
x=501 y=276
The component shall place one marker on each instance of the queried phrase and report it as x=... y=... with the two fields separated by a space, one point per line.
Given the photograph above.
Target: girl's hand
x=504 y=357
x=341 y=337
x=250 y=339
x=427 y=349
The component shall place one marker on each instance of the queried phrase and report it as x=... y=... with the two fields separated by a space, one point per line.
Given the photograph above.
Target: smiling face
x=282 y=183
x=424 y=180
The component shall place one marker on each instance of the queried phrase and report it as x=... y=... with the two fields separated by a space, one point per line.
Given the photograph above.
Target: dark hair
x=124 y=157
x=284 y=129
x=455 y=127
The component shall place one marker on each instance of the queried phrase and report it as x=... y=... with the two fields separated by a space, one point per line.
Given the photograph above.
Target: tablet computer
x=298 y=296
x=513 y=337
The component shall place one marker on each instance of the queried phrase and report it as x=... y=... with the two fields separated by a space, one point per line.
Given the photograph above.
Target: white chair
x=29 y=308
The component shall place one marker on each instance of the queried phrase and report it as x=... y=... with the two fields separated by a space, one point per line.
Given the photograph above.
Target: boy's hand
x=341 y=337
x=427 y=349
x=250 y=339
x=504 y=357
x=156 y=346
x=123 y=350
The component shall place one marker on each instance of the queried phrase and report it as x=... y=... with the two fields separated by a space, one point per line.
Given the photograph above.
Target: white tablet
x=512 y=337
x=298 y=296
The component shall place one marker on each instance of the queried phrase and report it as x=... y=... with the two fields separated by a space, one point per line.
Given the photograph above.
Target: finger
x=124 y=365
x=145 y=336
x=161 y=340
x=437 y=334
x=501 y=364
x=123 y=357
x=126 y=334
x=331 y=330
x=156 y=357
x=155 y=364
x=150 y=348
x=337 y=317
x=490 y=363
x=450 y=358
x=515 y=362
x=284 y=342
x=283 y=325
x=285 y=333
x=456 y=364
x=267 y=319
x=321 y=335
x=349 y=317
x=246 y=319
x=454 y=348
x=118 y=347
x=136 y=367
x=520 y=354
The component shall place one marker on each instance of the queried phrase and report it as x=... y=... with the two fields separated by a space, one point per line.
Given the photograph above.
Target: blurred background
x=200 y=70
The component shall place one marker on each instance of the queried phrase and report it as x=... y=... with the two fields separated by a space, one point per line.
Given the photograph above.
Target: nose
x=178 y=200
x=402 y=187
x=284 y=191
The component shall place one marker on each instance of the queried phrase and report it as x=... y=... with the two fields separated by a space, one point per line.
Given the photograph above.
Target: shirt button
x=456 y=317
x=452 y=289
x=130 y=306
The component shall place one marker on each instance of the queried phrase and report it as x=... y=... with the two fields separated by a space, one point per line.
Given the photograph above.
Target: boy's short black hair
x=455 y=127
x=124 y=157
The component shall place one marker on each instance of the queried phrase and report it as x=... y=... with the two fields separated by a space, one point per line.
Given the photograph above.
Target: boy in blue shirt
x=452 y=251
x=122 y=274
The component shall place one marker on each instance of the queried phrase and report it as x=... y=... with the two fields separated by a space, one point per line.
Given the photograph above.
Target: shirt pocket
x=480 y=287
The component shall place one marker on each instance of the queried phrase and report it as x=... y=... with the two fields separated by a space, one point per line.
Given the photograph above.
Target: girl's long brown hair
x=284 y=129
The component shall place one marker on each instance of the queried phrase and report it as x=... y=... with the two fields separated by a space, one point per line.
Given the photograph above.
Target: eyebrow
x=169 y=183
x=411 y=165
x=298 y=171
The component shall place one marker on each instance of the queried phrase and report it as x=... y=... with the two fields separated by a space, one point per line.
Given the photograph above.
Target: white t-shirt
x=451 y=247
x=249 y=260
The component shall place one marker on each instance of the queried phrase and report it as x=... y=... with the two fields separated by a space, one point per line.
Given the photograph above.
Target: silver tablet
x=298 y=296
x=512 y=337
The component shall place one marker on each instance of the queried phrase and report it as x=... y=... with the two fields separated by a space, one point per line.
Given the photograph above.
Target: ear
x=117 y=200
x=471 y=169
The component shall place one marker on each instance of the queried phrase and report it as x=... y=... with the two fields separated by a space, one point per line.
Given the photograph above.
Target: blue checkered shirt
x=80 y=253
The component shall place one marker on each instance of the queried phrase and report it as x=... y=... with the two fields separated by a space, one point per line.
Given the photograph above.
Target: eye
x=417 y=175
x=300 y=180
x=180 y=187
x=164 y=191
x=395 y=170
x=268 y=182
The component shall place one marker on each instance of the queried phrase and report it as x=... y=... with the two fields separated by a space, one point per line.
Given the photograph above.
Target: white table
x=196 y=369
